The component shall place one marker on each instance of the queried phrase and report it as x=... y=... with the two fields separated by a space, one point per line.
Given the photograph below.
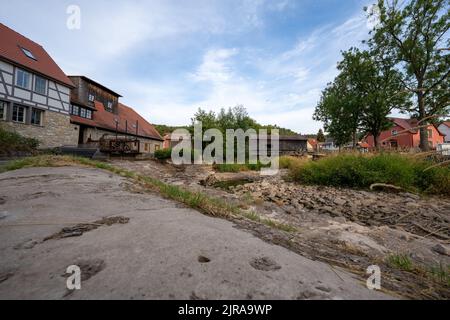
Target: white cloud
x=215 y=66
x=285 y=91
x=282 y=87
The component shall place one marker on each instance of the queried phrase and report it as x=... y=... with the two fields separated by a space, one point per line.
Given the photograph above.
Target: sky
x=167 y=58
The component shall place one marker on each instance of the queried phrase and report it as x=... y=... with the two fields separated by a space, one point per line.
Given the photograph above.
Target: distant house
x=329 y=145
x=403 y=134
x=292 y=145
x=312 y=145
x=34 y=92
x=170 y=141
x=287 y=144
x=361 y=146
x=444 y=128
x=104 y=120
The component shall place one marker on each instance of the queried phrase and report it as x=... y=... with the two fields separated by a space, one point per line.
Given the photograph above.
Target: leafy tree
x=320 y=136
x=335 y=109
x=378 y=88
x=414 y=36
x=361 y=97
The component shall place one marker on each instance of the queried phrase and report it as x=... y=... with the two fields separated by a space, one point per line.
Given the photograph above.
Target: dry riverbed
x=406 y=234
x=131 y=243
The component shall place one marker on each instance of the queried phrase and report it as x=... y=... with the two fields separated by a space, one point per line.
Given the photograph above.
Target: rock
x=339 y=201
x=411 y=195
x=412 y=204
x=405 y=237
x=441 y=249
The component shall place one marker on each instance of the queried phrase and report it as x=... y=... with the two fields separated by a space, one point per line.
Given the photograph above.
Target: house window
x=89 y=114
x=40 y=85
x=156 y=147
x=18 y=114
x=430 y=133
x=394 y=132
x=83 y=112
x=146 y=147
x=22 y=79
x=3 y=110
x=75 y=110
x=28 y=53
x=36 y=117
x=91 y=97
x=110 y=105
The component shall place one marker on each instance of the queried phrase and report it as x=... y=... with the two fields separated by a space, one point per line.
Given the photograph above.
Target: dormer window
x=110 y=105
x=394 y=132
x=28 y=53
x=91 y=97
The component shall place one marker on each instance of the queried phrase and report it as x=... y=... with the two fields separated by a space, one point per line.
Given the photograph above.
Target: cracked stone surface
x=153 y=256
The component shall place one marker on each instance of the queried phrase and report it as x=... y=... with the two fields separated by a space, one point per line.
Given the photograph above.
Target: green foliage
x=163 y=154
x=360 y=98
x=164 y=129
x=320 y=136
x=414 y=36
x=11 y=142
x=234 y=167
x=289 y=162
x=400 y=261
x=360 y=171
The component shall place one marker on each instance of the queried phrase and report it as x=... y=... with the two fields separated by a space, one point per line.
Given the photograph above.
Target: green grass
x=11 y=142
x=289 y=162
x=400 y=261
x=360 y=171
x=438 y=272
x=197 y=200
x=268 y=222
x=235 y=167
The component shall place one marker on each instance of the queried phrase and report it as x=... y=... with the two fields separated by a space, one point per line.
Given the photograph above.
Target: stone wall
x=56 y=130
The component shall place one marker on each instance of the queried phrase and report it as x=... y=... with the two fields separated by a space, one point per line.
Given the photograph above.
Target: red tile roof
x=364 y=144
x=409 y=124
x=10 y=49
x=406 y=124
x=126 y=116
x=312 y=142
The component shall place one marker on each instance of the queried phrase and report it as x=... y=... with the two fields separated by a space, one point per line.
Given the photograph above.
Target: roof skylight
x=28 y=53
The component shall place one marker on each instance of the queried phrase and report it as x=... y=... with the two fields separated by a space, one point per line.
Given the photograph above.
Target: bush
x=360 y=171
x=163 y=154
x=289 y=162
x=11 y=142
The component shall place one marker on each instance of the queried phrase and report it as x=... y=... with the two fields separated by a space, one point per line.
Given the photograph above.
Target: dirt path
x=141 y=246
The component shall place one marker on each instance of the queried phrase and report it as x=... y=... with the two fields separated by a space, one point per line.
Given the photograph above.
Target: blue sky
x=168 y=58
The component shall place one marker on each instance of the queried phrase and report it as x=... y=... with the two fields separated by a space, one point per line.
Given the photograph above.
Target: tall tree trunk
x=375 y=141
x=354 y=140
x=423 y=131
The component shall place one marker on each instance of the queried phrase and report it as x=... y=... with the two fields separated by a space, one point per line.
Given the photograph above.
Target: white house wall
x=57 y=98
x=445 y=130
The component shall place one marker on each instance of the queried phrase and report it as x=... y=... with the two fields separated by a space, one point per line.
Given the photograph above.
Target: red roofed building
x=101 y=117
x=34 y=92
x=312 y=145
x=404 y=134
